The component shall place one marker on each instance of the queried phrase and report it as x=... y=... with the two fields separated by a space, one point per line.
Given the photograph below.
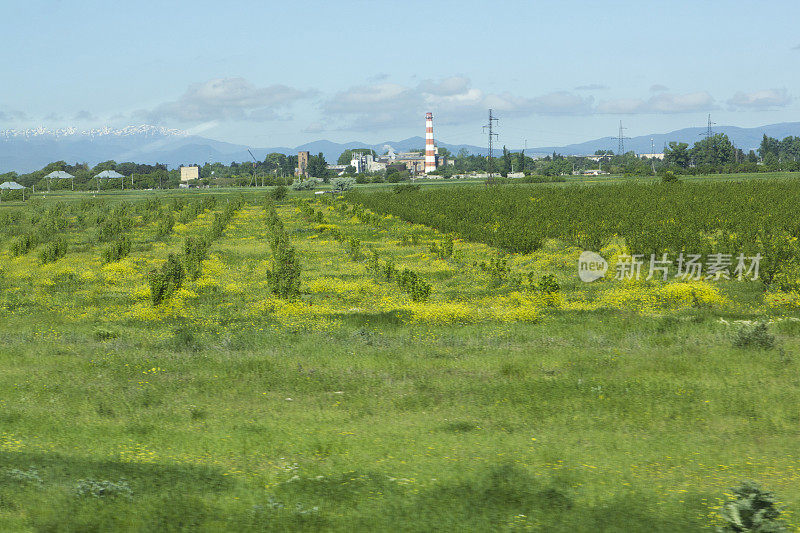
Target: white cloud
x=452 y=100
x=665 y=103
x=765 y=99
x=657 y=88
x=681 y=103
x=225 y=99
x=562 y=103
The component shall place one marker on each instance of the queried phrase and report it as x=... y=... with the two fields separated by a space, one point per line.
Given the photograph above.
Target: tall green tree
x=505 y=164
x=318 y=167
x=677 y=154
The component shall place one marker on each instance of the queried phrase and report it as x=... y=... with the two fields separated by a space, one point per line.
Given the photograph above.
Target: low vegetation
x=307 y=364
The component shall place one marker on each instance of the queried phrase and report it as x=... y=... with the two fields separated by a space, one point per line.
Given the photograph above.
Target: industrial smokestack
x=430 y=150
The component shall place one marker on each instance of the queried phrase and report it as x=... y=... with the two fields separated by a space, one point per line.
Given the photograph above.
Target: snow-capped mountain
x=128 y=131
x=26 y=150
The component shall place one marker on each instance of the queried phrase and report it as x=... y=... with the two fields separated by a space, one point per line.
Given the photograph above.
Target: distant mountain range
x=31 y=149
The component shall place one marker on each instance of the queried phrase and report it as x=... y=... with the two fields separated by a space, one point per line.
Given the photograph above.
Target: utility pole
x=653 y=154
x=709 y=132
x=492 y=136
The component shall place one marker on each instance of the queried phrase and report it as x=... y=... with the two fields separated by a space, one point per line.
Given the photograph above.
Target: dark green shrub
x=23 y=244
x=165 y=225
x=103 y=489
x=195 y=250
x=497 y=268
x=411 y=282
x=112 y=228
x=443 y=249
x=53 y=251
x=756 y=336
x=389 y=270
x=164 y=281
x=406 y=187
x=548 y=284
x=752 y=509
x=117 y=249
x=354 y=249
x=284 y=276
x=669 y=177
x=279 y=193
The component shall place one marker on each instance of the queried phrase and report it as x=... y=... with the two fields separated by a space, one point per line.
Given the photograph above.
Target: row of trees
x=276 y=169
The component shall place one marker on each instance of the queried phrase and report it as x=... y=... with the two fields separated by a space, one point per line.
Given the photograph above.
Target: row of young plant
x=747 y=217
x=169 y=277
x=48 y=226
x=105 y=223
x=406 y=279
x=283 y=277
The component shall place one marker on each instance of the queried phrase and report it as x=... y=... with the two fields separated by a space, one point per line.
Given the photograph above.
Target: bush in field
x=166 y=280
x=112 y=228
x=53 y=251
x=354 y=249
x=406 y=187
x=103 y=489
x=343 y=184
x=166 y=223
x=22 y=245
x=305 y=185
x=546 y=284
x=29 y=477
x=279 y=193
x=443 y=249
x=195 y=250
x=284 y=276
x=756 y=336
x=411 y=282
x=669 y=177
x=497 y=268
x=117 y=249
x=274 y=223
x=752 y=509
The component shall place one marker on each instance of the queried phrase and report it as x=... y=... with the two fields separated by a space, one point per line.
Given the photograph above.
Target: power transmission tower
x=712 y=152
x=709 y=132
x=492 y=136
x=621 y=139
x=255 y=162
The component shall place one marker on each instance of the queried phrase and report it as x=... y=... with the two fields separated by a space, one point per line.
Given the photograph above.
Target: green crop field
x=396 y=361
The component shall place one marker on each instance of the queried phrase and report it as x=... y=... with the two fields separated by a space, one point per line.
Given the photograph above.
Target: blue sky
x=283 y=73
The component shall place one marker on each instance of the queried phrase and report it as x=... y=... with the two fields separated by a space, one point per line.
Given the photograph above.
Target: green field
x=511 y=397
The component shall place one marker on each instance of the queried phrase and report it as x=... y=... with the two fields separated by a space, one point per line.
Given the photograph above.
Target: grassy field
x=492 y=404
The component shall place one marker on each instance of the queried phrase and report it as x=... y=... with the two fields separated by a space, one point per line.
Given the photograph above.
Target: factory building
x=302 y=164
x=189 y=173
x=415 y=162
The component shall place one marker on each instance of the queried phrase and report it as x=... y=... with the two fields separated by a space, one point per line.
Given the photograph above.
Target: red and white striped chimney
x=430 y=150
